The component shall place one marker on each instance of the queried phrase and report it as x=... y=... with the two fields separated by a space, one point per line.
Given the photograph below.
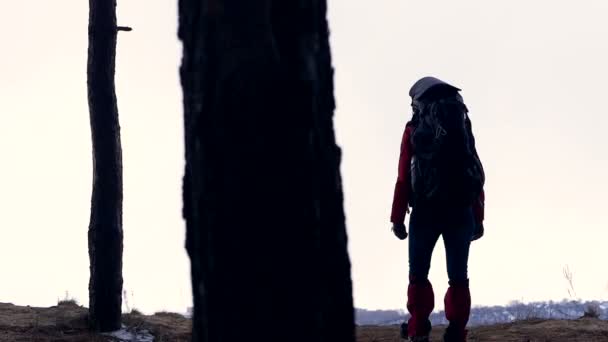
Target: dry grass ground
x=582 y=330
x=67 y=323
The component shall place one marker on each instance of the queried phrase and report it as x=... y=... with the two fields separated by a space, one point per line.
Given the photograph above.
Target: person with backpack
x=441 y=178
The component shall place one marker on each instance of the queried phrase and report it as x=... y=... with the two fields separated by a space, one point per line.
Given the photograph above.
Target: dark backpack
x=445 y=168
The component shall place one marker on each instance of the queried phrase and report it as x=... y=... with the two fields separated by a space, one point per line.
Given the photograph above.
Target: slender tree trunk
x=262 y=189
x=105 y=228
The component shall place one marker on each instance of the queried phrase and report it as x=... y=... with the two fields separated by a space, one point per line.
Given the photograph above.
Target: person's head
x=433 y=94
x=430 y=86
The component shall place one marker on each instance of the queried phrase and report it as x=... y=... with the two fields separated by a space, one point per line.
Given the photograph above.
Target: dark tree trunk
x=262 y=188
x=105 y=228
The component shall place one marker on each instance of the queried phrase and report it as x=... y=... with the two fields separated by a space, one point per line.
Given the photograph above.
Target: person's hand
x=479 y=231
x=400 y=231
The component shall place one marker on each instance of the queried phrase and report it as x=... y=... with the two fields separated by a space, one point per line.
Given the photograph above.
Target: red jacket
x=402 y=188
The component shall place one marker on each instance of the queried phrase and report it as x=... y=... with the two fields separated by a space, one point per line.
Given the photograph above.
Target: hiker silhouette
x=440 y=176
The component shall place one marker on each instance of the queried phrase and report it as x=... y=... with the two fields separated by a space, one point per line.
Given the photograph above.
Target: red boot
x=457 y=311
x=420 y=304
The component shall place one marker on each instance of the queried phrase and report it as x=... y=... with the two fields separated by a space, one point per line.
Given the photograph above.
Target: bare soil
x=583 y=330
x=68 y=323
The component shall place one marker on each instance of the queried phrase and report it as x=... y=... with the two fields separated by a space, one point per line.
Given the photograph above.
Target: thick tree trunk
x=105 y=228
x=262 y=188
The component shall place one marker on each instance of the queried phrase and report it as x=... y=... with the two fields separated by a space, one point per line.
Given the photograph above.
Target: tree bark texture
x=262 y=190
x=105 y=228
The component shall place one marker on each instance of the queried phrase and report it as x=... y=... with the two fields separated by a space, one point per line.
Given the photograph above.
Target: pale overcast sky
x=533 y=74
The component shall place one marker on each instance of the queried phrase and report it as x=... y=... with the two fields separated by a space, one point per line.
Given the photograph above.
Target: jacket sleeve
x=402 y=187
x=479 y=208
x=479 y=205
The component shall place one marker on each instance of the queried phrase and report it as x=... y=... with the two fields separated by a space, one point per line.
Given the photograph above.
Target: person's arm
x=402 y=187
x=479 y=212
x=480 y=203
x=479 y=208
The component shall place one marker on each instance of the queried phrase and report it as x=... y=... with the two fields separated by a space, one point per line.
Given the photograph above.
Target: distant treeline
x=497 y=314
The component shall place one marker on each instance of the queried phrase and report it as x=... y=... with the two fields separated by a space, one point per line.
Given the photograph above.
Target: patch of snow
x=125 y=335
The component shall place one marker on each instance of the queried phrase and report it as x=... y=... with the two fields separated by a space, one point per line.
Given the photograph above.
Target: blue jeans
x=426 y=226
